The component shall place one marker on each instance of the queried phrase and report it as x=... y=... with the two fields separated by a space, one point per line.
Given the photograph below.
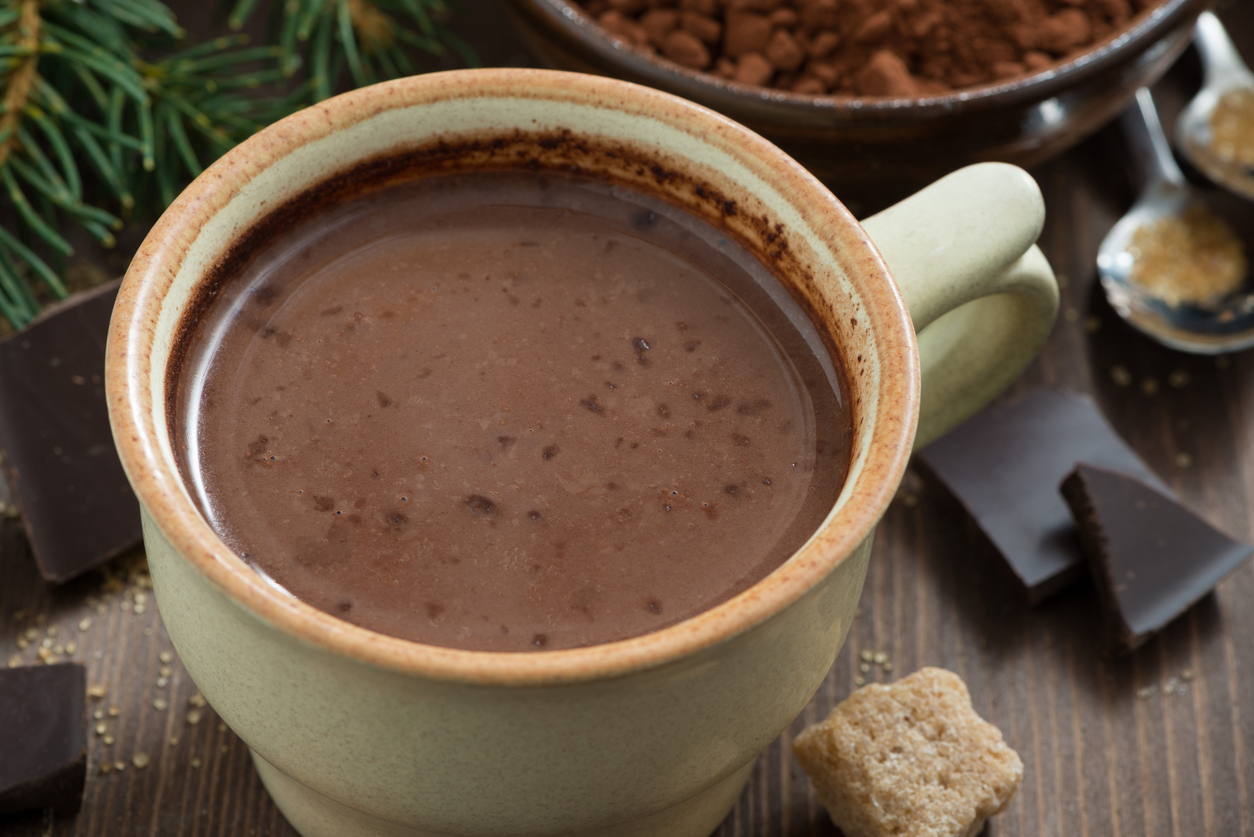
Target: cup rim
x=157 y=484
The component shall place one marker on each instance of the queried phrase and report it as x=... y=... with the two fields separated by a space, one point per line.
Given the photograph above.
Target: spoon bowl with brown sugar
x=1172 y=267
x=1216 y=130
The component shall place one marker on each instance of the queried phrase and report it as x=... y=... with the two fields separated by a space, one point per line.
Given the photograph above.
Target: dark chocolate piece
x=1151 y=557
x=78 y=507
x=43 y=747
x=1004 y=467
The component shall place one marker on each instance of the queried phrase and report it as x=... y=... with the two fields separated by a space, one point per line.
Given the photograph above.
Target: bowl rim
x=731 y=97
x=870 y=485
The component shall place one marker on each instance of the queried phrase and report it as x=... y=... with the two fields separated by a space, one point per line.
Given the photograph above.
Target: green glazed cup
x=356 y=733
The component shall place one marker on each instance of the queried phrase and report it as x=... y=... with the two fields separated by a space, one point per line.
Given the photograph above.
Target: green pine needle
x=106 y=113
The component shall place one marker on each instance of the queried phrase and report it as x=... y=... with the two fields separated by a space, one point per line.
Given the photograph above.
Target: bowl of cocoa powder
x=877 y=97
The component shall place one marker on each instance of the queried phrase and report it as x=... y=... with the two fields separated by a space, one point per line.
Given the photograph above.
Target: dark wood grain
x=1159 y=744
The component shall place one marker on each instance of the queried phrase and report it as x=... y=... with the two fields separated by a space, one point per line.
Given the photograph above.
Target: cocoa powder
x=891 y=48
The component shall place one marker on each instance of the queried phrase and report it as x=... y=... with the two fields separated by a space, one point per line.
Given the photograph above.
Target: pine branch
x=333 y=42
x=105 y=115
x=22 y=77
x=17 y=303
x=92 y=132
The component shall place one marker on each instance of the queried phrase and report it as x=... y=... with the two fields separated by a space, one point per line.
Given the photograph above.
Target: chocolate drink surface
x=509 y=412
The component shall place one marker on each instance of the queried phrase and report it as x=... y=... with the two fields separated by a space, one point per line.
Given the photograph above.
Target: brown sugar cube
x=909 y=760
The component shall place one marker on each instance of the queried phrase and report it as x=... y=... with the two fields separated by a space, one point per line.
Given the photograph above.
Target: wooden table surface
x=1159 y=744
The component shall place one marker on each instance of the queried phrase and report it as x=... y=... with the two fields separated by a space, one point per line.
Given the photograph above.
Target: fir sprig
x=92 y=131
x=106 y=114
x=362 y=41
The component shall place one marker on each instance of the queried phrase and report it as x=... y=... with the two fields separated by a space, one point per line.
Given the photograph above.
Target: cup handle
x=982 y=297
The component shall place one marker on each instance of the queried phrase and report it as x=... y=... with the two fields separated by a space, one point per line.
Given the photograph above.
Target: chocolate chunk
x=1151 y=557
x=43 y=749
x=54 y=429
x=1004 y=467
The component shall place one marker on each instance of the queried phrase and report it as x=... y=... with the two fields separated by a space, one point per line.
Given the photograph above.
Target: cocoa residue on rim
x=899 y=48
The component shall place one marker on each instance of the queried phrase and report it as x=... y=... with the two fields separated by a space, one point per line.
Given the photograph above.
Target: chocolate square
x=1151 y=557
x=1004 y=466
x=74 y=498
x=43 y=737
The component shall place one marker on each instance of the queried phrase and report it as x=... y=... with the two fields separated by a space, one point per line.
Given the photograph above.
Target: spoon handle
x=1219 y=56
x=1150 y=151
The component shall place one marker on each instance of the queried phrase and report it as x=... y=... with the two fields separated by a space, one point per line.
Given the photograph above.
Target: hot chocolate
x=509 y=412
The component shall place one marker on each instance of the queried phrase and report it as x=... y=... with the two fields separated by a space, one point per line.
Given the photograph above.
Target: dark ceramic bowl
x=876 y=150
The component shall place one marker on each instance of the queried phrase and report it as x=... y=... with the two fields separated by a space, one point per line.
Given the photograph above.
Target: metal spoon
x=1225 y=326
x=1225 y=73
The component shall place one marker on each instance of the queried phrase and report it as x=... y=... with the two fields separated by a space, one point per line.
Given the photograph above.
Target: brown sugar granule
x=1232 y=127
x=909 y=760
x=905 y=48
x=1195 y=258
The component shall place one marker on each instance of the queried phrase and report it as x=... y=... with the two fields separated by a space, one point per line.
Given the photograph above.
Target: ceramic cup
x=356 y=733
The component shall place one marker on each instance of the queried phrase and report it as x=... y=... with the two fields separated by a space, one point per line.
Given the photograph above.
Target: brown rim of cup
x=868 y=491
